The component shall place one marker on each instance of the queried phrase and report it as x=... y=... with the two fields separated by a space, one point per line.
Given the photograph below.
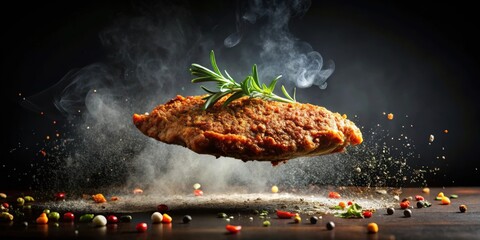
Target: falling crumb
x=57 y=134
x=445 y=131
x=41 y=113
x=48 y=137
x=94 y=90
x=43 y=152
x=431 y=138
x=137 y=191
x=390 y=116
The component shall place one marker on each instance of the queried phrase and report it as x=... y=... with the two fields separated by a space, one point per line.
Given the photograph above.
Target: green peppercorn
x=126 y=218
x=86 y=217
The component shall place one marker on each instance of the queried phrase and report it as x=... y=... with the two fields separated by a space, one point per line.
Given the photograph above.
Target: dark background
x=413 y=58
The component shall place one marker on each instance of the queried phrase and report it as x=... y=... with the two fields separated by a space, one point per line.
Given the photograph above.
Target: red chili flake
x=419 y=198
x=285 y=214
x=233 y=228
x=404 y=204
x=198 y=192
x=334 y=195
x=367 y=214
x=349 y=203
x=43 y=152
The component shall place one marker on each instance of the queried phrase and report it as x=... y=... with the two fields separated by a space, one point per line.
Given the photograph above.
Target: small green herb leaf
x=251 y=86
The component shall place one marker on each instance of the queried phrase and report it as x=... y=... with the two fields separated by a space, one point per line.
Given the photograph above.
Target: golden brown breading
x=249 y=128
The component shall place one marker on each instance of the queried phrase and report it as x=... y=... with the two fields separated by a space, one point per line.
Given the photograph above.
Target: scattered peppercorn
x=372 y=228
x=463 y=208
x=390 y=211
x=313 y=220
x=186 y=219
x=330 y=225
x=407 y=213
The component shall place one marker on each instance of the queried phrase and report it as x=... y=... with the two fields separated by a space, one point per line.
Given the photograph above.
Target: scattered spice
x=42 y=219
x=419 y=198
x=141 y=227
x=390 y=116
x=462 y=208
x=166 y=218
x=187 y=219
x=274 y=189
x=334 y=195
x=233 y=228
x=407 y=213
x=297 y=219
x=285 y=214
x=353 y=211
x=198 y=192
x=156 y=217
x=372 y=228
x=99 y=198
x=390 y=211
x=112 y=219
x=99 y=221
x=330 y=225
x=137 y=191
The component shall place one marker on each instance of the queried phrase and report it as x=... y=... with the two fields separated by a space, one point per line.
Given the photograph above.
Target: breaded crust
x=249 y=128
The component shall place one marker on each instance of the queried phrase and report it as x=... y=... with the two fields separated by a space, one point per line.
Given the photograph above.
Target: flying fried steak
x=249 y=128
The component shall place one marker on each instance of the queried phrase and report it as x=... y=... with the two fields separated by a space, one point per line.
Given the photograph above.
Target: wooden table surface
x=436 y=222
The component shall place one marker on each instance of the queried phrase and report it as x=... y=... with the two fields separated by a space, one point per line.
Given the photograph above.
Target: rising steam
x=281 y=52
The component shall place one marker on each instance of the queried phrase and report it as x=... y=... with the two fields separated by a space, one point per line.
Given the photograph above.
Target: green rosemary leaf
x=250 y=86
x=233 y=97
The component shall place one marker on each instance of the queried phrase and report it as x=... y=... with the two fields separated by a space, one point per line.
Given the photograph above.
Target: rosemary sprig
x=226 y=85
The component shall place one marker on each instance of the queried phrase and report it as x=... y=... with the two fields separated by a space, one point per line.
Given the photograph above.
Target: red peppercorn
x=419 y=198
x=367 y=214
x=404 y=204
x=162 y=208
x=142 y=227
x=60 y=196
x=68 y=217
x=112 y=219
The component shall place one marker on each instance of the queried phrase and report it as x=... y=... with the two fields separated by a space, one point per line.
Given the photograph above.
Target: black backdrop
x=41 y=42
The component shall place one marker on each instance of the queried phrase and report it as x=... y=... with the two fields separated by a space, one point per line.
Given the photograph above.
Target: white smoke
x=281 y=53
